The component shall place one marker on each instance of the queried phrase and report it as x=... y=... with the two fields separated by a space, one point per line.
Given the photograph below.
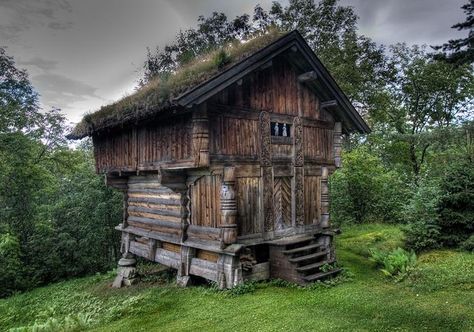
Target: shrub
x=468 y=244
x=441 y=213
x=456 y=205
x=12 y=273
x=423 y=231
x=364 y=191
x=396 y=263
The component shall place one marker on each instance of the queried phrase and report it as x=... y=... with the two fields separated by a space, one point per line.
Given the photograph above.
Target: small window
x=279 y=129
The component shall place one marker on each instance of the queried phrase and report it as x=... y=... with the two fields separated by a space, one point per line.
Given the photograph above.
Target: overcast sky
x=81 y=54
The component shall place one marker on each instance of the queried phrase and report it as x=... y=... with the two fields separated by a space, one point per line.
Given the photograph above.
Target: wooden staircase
x=300 y=260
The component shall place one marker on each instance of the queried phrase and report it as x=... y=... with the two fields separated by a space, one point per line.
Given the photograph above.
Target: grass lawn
x=437 y=296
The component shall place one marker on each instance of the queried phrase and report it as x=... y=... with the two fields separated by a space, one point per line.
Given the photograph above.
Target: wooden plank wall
x=131 y=148
x=117 y=150
x=234 y=136
x=170 y=141
x=312 y=199
x=248 y=205
x=205 y=201
x=318 y=143
x=153 y=207
x=273 y=89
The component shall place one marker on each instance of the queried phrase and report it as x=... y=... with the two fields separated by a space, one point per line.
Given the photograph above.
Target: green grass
x=438 y=296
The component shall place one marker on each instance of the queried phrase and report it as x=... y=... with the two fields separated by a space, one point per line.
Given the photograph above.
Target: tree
x=424 y=95
x=355 y=61
x=18 y=99
x=56 y=215
x=460 y=51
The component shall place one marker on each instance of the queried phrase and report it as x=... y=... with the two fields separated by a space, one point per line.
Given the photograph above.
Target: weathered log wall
x=153 y=207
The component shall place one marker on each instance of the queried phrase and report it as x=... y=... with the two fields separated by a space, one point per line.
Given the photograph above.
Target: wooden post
x=125 y=209
x=298 y=162
x=201 y=136
x=266 y=171
x=337 y=141
x=228 y=208
x=324 y=198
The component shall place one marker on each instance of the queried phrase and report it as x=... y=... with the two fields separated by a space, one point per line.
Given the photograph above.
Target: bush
x=456 y=205
x=441 y=213
x=423 y=231
x=364 y=191
x=10 y=261
x=468 y=245
x=396 y=263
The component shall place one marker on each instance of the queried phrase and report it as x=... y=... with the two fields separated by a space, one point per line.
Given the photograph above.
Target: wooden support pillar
x=229 y=271
x=125 y=209
x=126 y=271
x=183 y=278
x=201 y=136
x=324 y=198
x=337 y=142
x=228 y=208
x=266 y=172
x=298 y=163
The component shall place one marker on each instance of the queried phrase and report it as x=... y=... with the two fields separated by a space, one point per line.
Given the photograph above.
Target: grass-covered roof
x=159 y=94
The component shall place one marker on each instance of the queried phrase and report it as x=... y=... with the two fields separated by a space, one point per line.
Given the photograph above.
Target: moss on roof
x=158 y=94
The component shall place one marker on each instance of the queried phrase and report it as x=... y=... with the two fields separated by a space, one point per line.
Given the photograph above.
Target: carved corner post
x=266 y=171
x=229 y=271
x=337 y=143
x=324 y=197
x=200 y=138
x=298 y=168
x=228 y=208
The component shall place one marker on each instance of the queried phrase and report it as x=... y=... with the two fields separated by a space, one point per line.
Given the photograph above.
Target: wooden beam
x=116 y=182
x=329 y=104
x=308 y=76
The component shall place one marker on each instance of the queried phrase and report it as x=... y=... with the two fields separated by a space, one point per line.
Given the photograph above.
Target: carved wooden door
x=282 y=191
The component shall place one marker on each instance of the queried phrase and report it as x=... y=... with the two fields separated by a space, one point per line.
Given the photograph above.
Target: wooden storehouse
x=226 y=177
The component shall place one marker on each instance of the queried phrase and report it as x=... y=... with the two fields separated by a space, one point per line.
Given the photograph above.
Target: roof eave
x=216 y=84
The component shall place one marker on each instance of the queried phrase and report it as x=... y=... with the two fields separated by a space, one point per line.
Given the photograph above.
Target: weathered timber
x=231 y=183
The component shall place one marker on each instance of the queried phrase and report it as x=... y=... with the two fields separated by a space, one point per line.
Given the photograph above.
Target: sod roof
x=196 y=81
x=160 y=94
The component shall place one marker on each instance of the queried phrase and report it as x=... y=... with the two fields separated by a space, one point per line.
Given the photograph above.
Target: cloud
x=60 y=91
x=40 y=63
x=18 y=16
x=60 y=25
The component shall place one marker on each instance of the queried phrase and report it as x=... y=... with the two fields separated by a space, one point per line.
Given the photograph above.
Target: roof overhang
x=340 y=104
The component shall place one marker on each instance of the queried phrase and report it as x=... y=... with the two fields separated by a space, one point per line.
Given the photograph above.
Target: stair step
x=291 y=240
x=306 y=257
x=300 y=249
x=310 y=267
x=317 y=276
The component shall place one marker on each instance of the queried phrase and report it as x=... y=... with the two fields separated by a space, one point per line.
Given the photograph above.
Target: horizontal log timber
x=172 y=164
x=203 y=268
x=139 y=211
x=253 y=114
x=329 y=104
x=155 y=192
x=147 y=199
x=156 y=235
x=174 y=208
x=168 y=258
x=203 y=233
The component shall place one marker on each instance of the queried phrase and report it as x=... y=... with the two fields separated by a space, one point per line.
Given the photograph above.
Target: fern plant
x=396 y=263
